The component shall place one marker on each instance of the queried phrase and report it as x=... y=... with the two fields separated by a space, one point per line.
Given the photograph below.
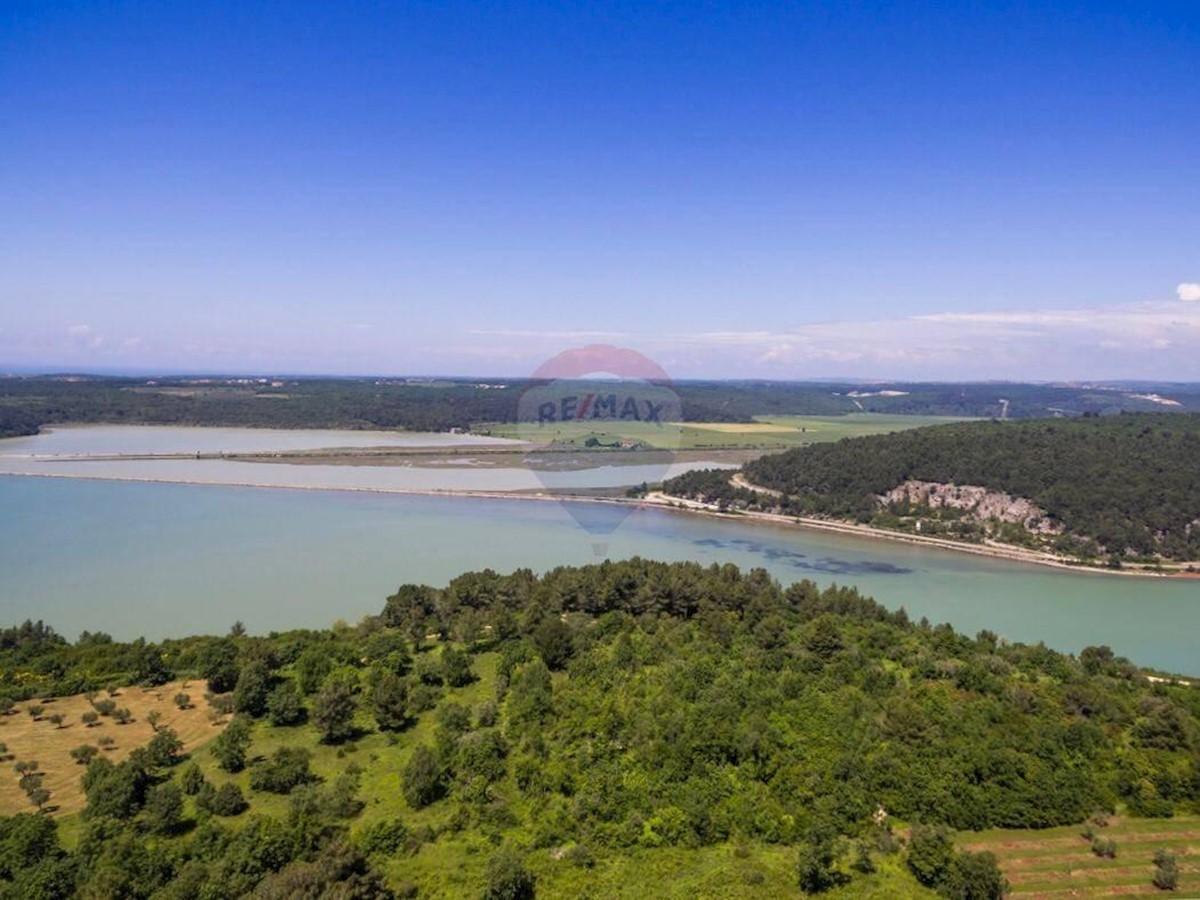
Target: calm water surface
x=171 y=559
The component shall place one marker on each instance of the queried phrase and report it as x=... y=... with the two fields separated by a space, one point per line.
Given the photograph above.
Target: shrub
x=164 y=749
x=974 y=876
x=228 y=800
x=333 y=709
x=384 y=838
x=1166 y=870
x=192 y=780
x=285 y=706
x=929 y=853
x=231 y=745
x=84 y=754
x=507 y=877
x=424 y=780
x=286 y=769
x=456 y=668
x=164 y=807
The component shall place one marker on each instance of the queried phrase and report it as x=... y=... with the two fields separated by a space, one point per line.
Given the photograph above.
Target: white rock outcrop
x=983 y=505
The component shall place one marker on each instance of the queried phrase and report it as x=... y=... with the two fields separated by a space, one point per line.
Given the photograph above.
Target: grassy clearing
x=1058 y=862
x=766 y=433
x=51 y=745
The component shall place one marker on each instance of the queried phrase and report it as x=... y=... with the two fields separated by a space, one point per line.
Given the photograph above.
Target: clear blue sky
x=778 y=190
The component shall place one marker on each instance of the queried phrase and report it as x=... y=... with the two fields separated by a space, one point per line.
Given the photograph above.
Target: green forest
x=28 y=403
x=583 y=732
x=1121 y=487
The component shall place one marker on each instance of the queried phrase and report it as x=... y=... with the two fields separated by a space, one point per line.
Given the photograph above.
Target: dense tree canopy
x=1127 y=484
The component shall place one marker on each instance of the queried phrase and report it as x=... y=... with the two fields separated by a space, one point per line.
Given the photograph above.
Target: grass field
x=766 y=433
x=1058 y=862
x=51 y=745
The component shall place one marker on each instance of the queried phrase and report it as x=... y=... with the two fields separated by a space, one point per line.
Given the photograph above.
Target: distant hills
x=28 y=402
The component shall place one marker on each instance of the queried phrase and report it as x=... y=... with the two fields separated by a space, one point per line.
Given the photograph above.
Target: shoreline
x=659 y=501
x=839 y=526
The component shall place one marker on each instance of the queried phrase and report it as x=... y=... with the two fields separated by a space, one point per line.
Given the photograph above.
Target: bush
x=285 y=706
x=253 y=688
x=554 y=642
x=1104 y=847
x=231 y=745
x=974 y=876
x=165 y=748
x=84 y=754
x=105 y=707
x=507 y=877
x=424 y=780
x=228 y=800
x=389 y=702
x=164 y=808
x=456 y=668
x=1166 y=870
x=814 y=867
x=192 y=780
x=333 y=709
x=384 y=838
x=930 y=851
x=286 y=769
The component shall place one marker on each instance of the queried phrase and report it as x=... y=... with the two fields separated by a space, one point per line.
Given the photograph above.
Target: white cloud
x=1189 y=292
x=1153 y=340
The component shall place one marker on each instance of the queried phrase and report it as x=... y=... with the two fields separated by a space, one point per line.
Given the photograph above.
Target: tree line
x=28 y=403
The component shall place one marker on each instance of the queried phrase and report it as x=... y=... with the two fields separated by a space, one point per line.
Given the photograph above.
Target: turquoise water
x=173 y=559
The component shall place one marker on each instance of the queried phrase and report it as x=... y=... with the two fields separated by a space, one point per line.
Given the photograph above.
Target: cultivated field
x=51 y=745
x=766 y=433
x=1058 y=862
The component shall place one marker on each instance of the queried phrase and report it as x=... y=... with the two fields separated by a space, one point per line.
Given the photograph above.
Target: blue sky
x=994 y=190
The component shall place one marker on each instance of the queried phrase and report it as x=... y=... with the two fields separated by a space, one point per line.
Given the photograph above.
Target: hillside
x=1125 y=486
x=591 y=732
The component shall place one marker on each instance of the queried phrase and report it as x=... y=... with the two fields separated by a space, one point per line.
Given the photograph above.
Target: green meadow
x=764 y=433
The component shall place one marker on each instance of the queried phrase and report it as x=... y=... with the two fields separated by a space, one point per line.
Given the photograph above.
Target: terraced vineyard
x=1059 y=863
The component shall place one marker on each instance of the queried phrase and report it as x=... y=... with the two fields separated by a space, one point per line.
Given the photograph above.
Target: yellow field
x=51 y=746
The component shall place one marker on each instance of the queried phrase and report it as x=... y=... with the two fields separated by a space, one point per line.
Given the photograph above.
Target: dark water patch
x=847 y=567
